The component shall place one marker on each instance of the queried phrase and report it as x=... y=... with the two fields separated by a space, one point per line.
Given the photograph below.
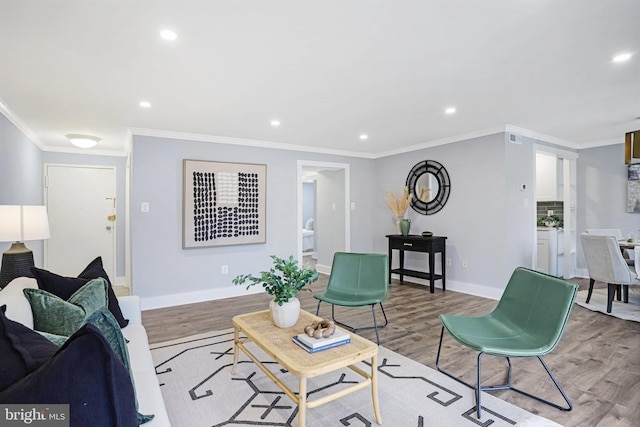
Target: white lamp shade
x=20 y=223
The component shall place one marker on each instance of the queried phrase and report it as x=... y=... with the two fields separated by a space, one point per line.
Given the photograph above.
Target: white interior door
x=81 y=205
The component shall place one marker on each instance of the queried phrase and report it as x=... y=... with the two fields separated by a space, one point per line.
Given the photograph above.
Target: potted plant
x=282 y=281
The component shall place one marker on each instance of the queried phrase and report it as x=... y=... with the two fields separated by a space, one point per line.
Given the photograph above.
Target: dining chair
x=605 y=263
x=627 y=254
x=528 y=321
x=357 y=280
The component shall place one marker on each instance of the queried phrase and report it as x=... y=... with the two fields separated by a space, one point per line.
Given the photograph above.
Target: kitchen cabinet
x=550 y=251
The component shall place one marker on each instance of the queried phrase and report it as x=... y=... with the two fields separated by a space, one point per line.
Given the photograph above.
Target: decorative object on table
x=430 y=186
x=551 y=221
x=17 y=224
x=223 y=203
x=405 y=226
x=427 y=233
x=320 y=329
x=399 y=205
x=313 y=345
x=282 y=281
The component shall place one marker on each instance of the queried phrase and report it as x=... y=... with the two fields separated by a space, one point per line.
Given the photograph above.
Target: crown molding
x=245 y=142
x=26 y=131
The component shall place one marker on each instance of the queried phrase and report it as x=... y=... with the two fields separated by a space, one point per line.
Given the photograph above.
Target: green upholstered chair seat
x=527 y=322
x=351 y=300
x=492 y=336
x=357 y=280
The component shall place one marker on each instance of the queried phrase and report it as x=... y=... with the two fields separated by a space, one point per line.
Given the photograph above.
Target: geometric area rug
x=199 y=390
x=622 y=310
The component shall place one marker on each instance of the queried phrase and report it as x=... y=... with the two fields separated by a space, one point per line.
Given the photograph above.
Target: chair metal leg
x=507 y=386
x=354 y=329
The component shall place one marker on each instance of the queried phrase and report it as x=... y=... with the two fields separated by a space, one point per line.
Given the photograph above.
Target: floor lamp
x=17 y=224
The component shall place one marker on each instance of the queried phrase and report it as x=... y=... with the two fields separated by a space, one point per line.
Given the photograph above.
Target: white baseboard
x=163 y=301
x=215 y=294
x=582 y=272
x=324 y=269
x=462 y=287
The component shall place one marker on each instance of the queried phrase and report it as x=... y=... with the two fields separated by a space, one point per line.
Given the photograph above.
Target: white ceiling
x=329 y=70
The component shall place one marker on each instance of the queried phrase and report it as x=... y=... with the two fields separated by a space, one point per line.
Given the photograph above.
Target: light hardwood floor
x=597 y=361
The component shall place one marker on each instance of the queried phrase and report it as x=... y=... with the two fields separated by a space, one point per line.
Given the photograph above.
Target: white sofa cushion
x=18 y=307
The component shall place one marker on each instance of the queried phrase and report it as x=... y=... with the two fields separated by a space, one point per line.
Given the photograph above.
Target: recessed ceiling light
x=275 y=123
x=450 y=110
x=364 y=136
x=622 y=57
x=82 y=141
x=168 y=35
x=145 y=104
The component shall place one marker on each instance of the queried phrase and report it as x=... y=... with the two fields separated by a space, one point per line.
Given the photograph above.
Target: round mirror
x=429 y=185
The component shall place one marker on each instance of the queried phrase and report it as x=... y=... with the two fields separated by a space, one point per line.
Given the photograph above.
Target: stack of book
x=313 y=345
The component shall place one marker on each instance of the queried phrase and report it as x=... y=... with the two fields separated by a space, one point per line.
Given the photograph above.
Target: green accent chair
x=528 y=321
x=357 y=280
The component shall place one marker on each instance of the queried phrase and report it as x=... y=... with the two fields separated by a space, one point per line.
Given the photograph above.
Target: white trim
x=13 y=118
x=606 y=143
x=455 y=286
x=197 y=296
x=90 y=151
x=246 y=142
x=443 y=141
x=582 y=273
x=541 y=137
x=324 y=269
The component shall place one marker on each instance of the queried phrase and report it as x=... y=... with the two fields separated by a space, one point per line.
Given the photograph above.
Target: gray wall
x=602 y=193
x=20 y=176
x=308 y=202
x=330 y=234
x=484 y=203
x=160 y=267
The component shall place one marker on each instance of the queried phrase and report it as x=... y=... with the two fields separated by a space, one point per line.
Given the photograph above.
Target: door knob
x=111 y=218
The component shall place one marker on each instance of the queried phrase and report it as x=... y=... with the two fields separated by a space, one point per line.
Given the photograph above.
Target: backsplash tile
x=556 y=206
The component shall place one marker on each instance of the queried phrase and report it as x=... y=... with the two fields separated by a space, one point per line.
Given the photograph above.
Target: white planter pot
x=285 y=315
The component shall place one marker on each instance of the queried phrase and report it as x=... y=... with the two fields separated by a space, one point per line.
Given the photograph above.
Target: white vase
x=285 y=315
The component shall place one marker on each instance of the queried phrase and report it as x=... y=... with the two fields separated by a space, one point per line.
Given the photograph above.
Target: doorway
x=331 y=222
x=81 y=204
x=555 y=192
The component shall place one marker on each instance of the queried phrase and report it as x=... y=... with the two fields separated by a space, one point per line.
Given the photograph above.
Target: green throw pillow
x=57 y=319
x=56 y=316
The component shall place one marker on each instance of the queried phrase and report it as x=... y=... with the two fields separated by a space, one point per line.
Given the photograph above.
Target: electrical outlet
x=144 y=207
x=448 y=261
x=465 y=263
x=224 y=269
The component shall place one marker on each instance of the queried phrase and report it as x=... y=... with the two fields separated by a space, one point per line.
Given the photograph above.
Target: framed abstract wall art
x=223 y=204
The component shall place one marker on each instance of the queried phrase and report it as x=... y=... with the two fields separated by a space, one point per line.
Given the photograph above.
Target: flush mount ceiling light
x=145 y=104
x=82 y=141
x=450 y=110
x=275 y=123
x=364 y=136
x=622 y=57
x=168 y=35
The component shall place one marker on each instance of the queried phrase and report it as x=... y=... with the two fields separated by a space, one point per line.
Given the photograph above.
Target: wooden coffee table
x=277 y=343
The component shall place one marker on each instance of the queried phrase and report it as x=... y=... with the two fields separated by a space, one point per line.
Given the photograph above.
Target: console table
x=431 y=245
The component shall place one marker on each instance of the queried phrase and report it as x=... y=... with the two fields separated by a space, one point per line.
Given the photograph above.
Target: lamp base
x=16 y=262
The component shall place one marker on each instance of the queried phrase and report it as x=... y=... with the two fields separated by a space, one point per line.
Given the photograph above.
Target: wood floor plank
x=597 y=362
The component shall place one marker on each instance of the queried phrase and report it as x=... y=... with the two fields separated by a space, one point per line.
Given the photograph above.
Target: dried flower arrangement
x=398 y=205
